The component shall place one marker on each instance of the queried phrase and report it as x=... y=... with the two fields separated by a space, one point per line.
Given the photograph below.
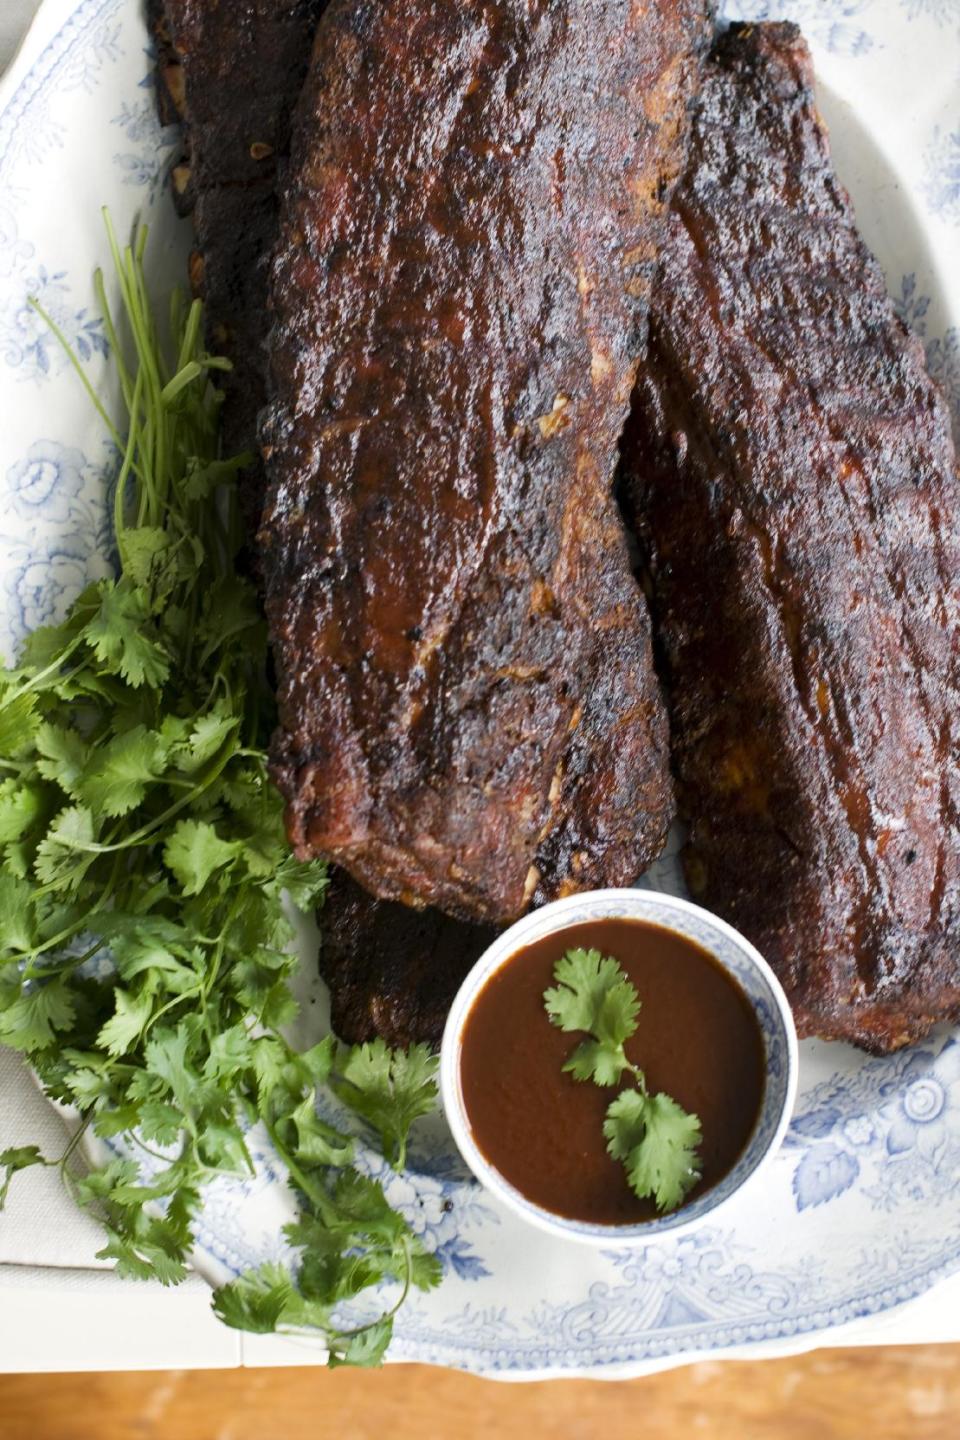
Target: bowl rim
x=550 y=919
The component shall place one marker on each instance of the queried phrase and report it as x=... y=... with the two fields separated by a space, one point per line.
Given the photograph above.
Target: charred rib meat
x=475 y=199
x=231 y=71
x=796 y=490
x=392 y=971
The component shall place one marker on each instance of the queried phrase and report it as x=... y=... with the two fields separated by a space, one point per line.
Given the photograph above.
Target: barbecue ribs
x=231 y=70
x=392 y=971
x=476 y=193
x=795 y=484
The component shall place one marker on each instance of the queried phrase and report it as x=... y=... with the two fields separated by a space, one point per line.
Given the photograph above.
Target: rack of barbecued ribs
x=469 y=222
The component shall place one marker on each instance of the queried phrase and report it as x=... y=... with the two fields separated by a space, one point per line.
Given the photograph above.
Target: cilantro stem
x=147 y=666
x=54 y=942
x=154 y=1154
x=77 y=1136
x=316 y=1197
x=74 y=361
x=171 y=1004
x=70 y=962
x=637 y=1074
x=116 y=349
x=332 y=1333
x=36 y=681
x=145 y=833
x=119 y=496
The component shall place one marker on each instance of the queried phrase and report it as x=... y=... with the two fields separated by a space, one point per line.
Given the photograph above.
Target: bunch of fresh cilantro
x=652 y=1135
x=145 y=953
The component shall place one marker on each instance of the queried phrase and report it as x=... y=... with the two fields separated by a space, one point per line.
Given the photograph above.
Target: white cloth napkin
x=40 y=1225
x=15 y=16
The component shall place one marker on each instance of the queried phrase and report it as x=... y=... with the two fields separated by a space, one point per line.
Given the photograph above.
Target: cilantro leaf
x=207 y=735
x=139 y=829
x=144 y=551
x=255 y=1301
x=593 y=994
x=20 y=807
x=12 y=1160
x=139 y=1259
x=63 y=855
x=18 y=914
x=366 y=1348
x=119 y=636
x=658 y=1145
x=653 y=1136
x=316 y=1142
x=603 y=1064
x=388 y=1088
x=625 y=1123
x=19 y=721
x=30 y=1022
x=64 y=755
x=304 y=881
x=116 y=781
x=194 y=852
x=127 y=1022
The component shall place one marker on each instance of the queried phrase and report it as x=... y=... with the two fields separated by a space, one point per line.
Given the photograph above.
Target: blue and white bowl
x=735 y=955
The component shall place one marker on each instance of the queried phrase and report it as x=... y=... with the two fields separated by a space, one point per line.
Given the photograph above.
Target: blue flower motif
x=47 y=479
x=918 y=1117
x=145 y=166
x=45 y=585
x=14 y=252
x=431 y=1211
x=943 y=359
x=665 y=1264
x=859 y=1130
x=27 y=341
x=457 y=1255
x=911 y=306
x=940 y=11
x=138 y=169
x=942 y=183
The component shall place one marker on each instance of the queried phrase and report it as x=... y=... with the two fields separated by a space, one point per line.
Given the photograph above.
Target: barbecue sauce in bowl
x=697 y=1039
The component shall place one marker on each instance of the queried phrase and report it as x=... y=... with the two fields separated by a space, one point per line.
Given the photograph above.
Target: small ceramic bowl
x=731 y=951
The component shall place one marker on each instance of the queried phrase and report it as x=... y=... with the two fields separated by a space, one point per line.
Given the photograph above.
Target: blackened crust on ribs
x=796 y=487
x=231 y=71
x=469 y=233
x=392 y=971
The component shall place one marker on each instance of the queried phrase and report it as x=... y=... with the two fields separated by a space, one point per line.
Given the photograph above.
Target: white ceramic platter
x=859 y=1211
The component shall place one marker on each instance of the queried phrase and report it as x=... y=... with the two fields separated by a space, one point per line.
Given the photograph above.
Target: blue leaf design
x=823 y=1174
x=458 y=1256
x=816 y=1123
x=901 y=1136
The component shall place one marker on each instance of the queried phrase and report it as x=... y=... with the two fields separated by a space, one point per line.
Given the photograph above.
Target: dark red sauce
x=697 y=1039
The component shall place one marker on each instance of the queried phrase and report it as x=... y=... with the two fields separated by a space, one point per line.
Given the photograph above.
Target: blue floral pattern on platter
x=857 y=1212
x=836 y=25
x=941 y=12
x=942 y=174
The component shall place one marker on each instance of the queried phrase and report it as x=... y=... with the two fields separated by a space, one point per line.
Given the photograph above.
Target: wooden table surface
x=908 y=1393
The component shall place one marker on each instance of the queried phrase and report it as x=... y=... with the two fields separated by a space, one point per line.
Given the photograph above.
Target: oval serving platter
x=858 y=1211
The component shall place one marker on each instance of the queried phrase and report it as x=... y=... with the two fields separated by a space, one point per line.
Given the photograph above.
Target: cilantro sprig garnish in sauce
x=652 y=1135
x=145 y=951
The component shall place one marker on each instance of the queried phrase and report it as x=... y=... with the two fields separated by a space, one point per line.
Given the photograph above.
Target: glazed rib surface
x=469 y=714
x=231 y=71
x=795 y=484
x=392 y=971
